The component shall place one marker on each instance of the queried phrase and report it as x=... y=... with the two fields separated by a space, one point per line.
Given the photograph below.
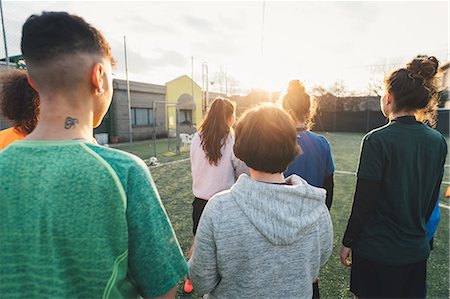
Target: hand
x=344 y=255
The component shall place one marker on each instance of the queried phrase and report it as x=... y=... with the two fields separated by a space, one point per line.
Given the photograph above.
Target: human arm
x=435 y=198
x=203 y=270
x=155 y=260
x=368 y=188
x=366 y=194
x=432 y=215
x=326 y=239
x=364 y=202
x=328 y=184
x=169 y=295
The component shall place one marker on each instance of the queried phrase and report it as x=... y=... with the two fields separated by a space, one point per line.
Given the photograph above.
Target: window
x=185 y=117
x=142 y=117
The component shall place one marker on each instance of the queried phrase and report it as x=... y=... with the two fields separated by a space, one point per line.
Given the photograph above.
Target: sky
x=256 y=44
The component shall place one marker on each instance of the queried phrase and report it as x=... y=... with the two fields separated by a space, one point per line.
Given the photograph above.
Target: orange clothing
x=8 y=136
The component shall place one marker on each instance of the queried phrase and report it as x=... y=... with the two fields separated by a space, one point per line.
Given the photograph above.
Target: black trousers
x=198 y=205
x=369 y=279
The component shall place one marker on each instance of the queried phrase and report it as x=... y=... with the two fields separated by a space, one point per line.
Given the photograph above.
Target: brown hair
x=19 y=102
x=214 y=128
x=298 y=103
x=415 y=88
x=266 y=139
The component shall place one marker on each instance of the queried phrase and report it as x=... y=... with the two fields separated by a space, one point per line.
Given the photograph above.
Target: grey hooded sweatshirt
x=262 y=240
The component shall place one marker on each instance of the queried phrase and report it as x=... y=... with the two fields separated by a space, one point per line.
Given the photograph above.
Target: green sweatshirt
x=85 y=221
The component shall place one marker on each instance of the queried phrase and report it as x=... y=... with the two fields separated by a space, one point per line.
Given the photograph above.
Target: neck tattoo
x=70 y=123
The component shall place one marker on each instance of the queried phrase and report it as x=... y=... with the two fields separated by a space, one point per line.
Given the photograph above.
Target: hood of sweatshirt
x=282 y=213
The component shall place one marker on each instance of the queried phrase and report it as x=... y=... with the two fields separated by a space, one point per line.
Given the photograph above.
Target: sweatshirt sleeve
x=156 y=263
x=326 y=241
x=203 y=271
x=364 y=203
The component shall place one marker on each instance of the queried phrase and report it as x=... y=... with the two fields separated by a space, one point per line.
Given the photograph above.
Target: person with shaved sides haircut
x=78 y=220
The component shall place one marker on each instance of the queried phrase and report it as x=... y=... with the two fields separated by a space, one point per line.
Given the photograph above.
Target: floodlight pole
x=128 y=90
x=4 y=35
x=262 y=29
x=205 y=84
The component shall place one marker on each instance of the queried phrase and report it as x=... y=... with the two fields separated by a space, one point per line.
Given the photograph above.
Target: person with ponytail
x=19 y=103
x=315 y=163
x=213 y=164
x=399 y=175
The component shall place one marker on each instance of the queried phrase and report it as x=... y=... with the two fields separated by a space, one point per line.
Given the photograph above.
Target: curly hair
x=19 y=102
x=415 y=87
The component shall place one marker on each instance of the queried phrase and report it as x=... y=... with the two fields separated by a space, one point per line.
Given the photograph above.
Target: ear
x=389 y=98
x=31 y=82
x=97 y=78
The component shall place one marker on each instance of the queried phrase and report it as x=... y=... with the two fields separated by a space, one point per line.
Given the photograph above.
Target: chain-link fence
x=14 y=15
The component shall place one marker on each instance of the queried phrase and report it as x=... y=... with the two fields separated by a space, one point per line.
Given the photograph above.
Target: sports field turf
x=174 y=185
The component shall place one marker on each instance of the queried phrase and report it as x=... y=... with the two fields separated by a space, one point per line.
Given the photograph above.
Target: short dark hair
x=266 y=139
x=19 y=102
x=53 y=34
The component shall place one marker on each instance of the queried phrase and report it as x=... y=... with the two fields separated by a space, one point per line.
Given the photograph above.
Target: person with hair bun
x=19 y=102
x=315 y=163
x=267 y=236
x=213 y=164
x=399 y=175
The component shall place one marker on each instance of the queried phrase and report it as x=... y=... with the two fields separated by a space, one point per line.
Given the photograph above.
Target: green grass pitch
x=174 y=185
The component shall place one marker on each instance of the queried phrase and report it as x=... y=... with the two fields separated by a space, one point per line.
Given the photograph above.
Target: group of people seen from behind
x=80 y=220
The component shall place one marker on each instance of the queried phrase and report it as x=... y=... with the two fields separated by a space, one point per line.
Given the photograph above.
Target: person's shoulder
x=318 y=137
x=434 y=133
x=220 y=199
x=218 y=203
x=196 y=136
x=437 y=137
x=5 y=131
x=118 y=158
x=377 y=132
x=196 y=140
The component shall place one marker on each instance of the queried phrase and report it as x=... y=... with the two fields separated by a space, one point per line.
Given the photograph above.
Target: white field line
x=169 y=163
x=345 y=172
x=444 y=206
x=448 y=165
x=336 y=171
x=354 y=173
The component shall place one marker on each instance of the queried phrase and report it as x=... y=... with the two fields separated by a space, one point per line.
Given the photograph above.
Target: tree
x=318 y=91
x=225 y=83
